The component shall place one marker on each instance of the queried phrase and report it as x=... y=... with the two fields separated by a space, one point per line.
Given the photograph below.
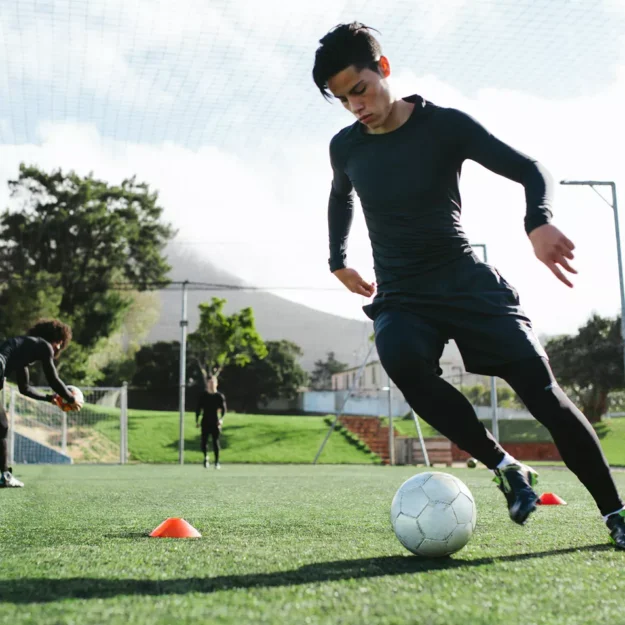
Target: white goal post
x=41 y=433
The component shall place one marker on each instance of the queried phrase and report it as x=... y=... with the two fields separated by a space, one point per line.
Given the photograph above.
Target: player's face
x=57 y=348
x=365 y=94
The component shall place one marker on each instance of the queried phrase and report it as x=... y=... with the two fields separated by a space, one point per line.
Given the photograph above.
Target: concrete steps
x=370 y=431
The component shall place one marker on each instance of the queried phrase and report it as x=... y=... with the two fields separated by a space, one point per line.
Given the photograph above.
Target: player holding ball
x=43 y=343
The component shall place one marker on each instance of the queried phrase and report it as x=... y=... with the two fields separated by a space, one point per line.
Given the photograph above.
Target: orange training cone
x=175 y=528
x=551 y=499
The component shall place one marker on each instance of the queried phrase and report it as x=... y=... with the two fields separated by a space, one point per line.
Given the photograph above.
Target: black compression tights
x=214 y=434
x=449 y=412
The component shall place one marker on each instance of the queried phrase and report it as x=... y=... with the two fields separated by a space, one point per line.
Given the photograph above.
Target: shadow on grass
x=195 y=443
x=44 y=590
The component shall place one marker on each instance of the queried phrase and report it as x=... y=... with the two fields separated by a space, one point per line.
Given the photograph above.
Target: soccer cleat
x=516 y=482
x=217 y=465
x=206 y=462
x=616 y=525
x=8 y=481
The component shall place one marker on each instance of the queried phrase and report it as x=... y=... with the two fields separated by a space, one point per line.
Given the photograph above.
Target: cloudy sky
x=211 y=102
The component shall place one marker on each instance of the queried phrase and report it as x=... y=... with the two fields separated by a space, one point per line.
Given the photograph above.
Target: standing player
x=210 y=404
x=43 y=343
x=403 y=156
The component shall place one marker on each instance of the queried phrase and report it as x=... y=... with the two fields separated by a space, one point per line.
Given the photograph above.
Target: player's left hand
x=57 y=400
x=220 y=423
x=554 y=249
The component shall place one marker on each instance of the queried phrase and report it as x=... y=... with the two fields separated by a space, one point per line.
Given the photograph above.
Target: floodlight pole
x=614 y=206
x=184 y=323
x=493 y=379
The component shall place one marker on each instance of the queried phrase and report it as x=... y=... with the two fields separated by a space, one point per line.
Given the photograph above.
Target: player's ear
x=385 y=67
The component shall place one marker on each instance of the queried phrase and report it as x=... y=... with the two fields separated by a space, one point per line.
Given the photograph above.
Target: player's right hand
x=354 y=282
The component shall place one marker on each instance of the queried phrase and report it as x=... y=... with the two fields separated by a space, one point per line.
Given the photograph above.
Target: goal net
x=41 y=433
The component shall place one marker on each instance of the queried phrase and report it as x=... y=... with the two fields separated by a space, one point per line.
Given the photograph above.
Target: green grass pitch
x=290 y=544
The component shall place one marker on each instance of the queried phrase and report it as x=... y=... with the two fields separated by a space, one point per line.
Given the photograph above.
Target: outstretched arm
x=23 y=383
x=52 y=376
x=476 y=143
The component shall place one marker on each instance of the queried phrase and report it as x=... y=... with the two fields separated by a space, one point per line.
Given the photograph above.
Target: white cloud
x=260 y=210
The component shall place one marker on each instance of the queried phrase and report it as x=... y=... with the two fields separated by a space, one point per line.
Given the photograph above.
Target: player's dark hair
x=345 y=45
x=52 y=330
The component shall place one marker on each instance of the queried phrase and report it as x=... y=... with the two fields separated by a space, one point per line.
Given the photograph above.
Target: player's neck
x=401 y=110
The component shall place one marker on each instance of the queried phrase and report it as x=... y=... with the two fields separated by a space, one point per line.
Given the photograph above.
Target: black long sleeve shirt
x=209 y=405
x=20 y=352
x=407 y=181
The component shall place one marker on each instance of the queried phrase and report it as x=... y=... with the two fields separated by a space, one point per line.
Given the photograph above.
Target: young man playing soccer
x=43 y=343
x=210 y=404
x=403 y=158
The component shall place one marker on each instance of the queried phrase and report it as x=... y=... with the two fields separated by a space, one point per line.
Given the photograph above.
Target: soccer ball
x=433 y=514
x=77 y=393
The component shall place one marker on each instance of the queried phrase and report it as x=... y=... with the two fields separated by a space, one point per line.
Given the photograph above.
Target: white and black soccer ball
x=433 y=514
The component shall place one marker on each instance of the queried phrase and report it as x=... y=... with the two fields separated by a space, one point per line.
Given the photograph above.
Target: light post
x=614 y=206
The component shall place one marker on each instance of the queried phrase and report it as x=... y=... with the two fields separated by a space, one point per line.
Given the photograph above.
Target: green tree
x=221 y=340
x=117 y=352
x=479 y=395
x=321 y=377
x=277 y=375
x=157 y=366
x=22 y=302
x=589 y=365
x=68 y=244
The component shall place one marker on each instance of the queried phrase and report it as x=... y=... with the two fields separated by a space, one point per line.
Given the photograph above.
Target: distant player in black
x=212 y=405
x=403 y=157
x=43 y=343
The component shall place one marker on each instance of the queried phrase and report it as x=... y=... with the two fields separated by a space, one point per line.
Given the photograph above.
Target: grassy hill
x=315 y=331
x=153 y=437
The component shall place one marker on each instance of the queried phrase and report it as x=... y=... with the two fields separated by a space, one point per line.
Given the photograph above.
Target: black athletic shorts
x=467 y=301
x=210 y=426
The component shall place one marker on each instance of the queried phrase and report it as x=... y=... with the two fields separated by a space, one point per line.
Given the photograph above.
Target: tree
x=63 y=251
x=23 y=302
x=321 y=377
x=221 y=340
x=157 y=366
x=589 y=365
x=277 y=375
x=479 y=395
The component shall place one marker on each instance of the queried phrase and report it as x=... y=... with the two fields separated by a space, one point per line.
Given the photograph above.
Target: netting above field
x=42 y=433
x=238 y=74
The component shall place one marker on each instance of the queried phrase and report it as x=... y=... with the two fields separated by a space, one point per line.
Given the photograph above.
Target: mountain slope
x=316 y=332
